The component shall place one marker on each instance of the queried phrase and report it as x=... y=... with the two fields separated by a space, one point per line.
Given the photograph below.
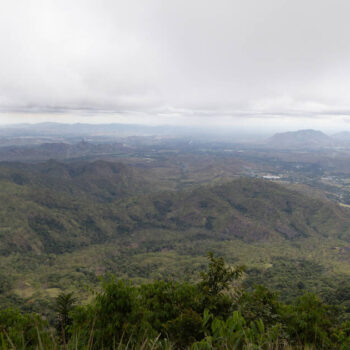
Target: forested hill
x=99 y=179
x=57 y=208
x=62 y=225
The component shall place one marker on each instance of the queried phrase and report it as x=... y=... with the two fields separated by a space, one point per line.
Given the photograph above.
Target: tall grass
x=47 y=341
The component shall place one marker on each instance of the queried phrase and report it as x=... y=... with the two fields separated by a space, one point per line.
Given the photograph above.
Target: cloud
x=176 y=59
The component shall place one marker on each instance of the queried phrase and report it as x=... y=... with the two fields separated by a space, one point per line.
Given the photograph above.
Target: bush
x=23 y=331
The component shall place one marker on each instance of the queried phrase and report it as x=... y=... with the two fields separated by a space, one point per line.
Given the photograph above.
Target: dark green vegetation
x=62 y=225
x=147 y=214
x=215 y=313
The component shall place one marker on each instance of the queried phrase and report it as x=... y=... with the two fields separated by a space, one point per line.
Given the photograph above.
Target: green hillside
x=62 y=225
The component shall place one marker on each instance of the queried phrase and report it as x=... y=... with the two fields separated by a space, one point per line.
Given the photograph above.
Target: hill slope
x=301 y=139
x=59 y=228
x=56 y=208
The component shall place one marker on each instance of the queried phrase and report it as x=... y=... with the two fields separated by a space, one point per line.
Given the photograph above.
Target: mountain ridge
x=75 y=196
x=60 y=228
x=306 y=138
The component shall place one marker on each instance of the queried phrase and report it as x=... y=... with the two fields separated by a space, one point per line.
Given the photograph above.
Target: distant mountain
x=69 y=131
x=343 y=136
x=59 y=151
x=76 y=130
x=307 y=139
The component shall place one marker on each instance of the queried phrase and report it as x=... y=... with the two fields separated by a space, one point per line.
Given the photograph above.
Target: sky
x=278 y=64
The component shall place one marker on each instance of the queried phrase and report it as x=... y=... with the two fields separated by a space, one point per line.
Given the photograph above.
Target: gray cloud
x=176 y=59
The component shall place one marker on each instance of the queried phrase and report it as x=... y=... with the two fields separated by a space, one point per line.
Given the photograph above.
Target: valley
x=152 y=208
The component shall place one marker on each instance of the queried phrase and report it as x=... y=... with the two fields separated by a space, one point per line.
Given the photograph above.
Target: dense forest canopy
x=217 y=312
x=143 y=219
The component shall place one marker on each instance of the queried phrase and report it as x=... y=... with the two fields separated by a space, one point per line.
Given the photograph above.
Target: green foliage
x=215 y=283
x=218 y=277
x=261 y=303
x=167 y=314
x=23 y=331
x=5 y=283
x=291 y=277
x=115 y=314
x=235 y=333
x=310 y=321
x=63 y=306
x=185 y=329
x=167 y=301
x=64 y=224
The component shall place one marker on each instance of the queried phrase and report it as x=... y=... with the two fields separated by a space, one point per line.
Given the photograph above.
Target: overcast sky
x=281 y=63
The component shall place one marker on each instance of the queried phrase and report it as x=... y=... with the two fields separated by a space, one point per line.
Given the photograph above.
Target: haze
x=270 y=64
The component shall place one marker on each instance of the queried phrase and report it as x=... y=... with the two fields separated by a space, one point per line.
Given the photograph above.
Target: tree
x=218 y=277
x=215 y=282
x=310 y=321
x=262 y=304
x=64 y=304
